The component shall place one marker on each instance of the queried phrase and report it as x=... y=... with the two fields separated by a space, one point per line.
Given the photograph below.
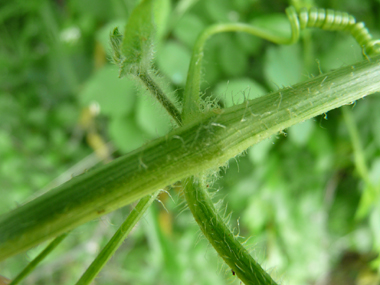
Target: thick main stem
x=207 y=143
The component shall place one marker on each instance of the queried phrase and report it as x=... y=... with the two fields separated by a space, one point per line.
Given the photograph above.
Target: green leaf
x=302 y=3
x=243 y=5
x=237 y=90
x=210 y=63
x=249 y=43
x=137 y=46
x=173 y=60
x=219 y=10
x=188 y=29
x=321 y=147
x=283 y=65
x=300 y=134
x=97 y=9
x=257 y=213
x=67 y=115
x=274 y=23
x=343 y=52
x=115 y=96
x=151 y=118
x=126 y=134
x=116 y=40
x=6 y=144
x=233 y=60
x=162 y=11
x=258 y=153
x=104 y=37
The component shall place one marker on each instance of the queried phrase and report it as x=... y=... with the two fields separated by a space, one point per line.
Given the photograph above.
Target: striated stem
x=220 y=236
x=206 y=143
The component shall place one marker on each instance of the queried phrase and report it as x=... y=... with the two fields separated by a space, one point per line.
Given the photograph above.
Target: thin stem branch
x=117 y=239
x=371 y=192
x=33 y=264
x=156 y=91
x=357 y=146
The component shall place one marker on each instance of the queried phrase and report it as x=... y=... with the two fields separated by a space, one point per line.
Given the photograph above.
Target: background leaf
x=236 y=91
x=115 y=96
x=283 y=66
x=294 y=196
x=137 y=47
x=173 y=60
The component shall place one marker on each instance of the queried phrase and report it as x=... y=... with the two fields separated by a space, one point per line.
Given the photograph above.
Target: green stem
x=207 y=143
x=211 y=224
x=117 y=239
x=360 y=163
x=221 y=237
x=191 y=103
x=33 y=264
x=197 y=197
x=371 y=192
x=156 y=91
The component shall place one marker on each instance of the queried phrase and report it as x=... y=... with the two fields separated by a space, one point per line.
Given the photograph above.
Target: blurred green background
x=298 y=196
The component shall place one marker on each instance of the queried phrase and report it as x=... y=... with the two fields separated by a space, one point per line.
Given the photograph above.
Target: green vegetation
x=306 y=196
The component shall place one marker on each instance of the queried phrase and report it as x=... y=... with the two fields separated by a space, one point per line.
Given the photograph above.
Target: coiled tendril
x=332 y=21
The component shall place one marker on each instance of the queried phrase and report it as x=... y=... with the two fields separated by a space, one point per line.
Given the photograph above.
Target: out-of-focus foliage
x=295 y=195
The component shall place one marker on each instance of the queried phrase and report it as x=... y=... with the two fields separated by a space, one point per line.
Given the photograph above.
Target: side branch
x=156 y=91
x=221 y=237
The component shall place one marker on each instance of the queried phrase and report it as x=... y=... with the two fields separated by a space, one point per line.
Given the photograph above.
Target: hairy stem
x=156 y=91
x=208 y=142
x=220 y=236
